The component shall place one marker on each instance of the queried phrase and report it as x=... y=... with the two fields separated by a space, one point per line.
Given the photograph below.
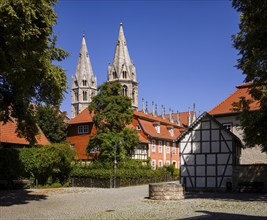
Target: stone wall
x=256 y=173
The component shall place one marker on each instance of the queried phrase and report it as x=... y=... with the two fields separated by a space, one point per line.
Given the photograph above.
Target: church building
x=84 y=82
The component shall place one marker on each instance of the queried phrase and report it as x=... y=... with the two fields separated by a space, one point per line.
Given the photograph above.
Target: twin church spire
x=84 y=83
x=123 y=70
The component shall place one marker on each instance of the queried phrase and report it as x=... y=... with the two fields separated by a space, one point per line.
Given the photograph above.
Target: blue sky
x=182 y=49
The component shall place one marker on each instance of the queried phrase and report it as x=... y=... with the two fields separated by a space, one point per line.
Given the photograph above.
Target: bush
x=40 y=163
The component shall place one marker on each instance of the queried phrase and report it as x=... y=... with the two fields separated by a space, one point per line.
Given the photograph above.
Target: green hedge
x=130 y=170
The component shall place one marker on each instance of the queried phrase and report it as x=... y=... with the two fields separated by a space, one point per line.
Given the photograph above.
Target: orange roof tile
x=226 y=106
x=82 y=117
x=183 y=118
x=8 y=135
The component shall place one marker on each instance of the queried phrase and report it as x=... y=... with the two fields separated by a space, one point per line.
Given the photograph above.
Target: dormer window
x=171 y=131
x=158 y=129
x=138 y=128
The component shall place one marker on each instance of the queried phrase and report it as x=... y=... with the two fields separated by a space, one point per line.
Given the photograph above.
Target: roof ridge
x=210 y=112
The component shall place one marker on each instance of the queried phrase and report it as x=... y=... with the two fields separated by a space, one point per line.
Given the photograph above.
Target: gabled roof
x=226 y=106
x=8 y=135
x=148 y=122
x=198 y=120
x=82 y=117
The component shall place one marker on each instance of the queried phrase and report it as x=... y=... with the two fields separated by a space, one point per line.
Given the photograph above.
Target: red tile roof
x=147 y=122
x=226 y=106
x=82 y=117
x=8 y=135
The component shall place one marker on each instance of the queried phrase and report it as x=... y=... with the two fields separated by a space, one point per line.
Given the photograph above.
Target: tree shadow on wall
x=222 y=216
x=19 y=197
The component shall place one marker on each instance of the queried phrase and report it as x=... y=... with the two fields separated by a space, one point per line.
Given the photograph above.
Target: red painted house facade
x=157 y=136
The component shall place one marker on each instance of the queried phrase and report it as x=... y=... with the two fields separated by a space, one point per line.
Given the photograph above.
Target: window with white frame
x=167 y=163
x=160 y=146
x=154 y=164
x=228 y=126
x=173 y=148
x=160 y=163
x=153 y=148
x=83 y=129
x=167 y=147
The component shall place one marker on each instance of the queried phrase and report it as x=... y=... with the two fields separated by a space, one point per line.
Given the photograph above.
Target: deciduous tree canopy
x=251 y=41
x=112 y=112
x=27 y=51
x=52 y=123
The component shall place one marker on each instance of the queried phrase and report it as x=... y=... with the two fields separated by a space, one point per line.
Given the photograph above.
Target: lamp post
x=115 y=165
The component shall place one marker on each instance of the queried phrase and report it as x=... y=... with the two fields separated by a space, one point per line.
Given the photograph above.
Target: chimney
x=162 y=112
x=178 y=120
x=194 y=116
x=146 y=111
x=143 y=105
x=153 y=110
x=189 y=117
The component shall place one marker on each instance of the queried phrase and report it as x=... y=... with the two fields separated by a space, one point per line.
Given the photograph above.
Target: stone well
x=166 y=191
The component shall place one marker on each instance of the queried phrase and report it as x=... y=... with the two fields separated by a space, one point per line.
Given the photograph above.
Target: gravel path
x=126 y=203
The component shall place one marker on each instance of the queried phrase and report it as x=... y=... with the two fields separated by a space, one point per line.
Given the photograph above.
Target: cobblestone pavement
x=126 y=203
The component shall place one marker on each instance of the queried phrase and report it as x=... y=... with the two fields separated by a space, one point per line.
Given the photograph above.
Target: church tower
x=123 y=70
x=84 y=84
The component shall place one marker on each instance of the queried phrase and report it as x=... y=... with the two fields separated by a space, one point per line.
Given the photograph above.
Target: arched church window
x=84 y=82
x=124 y=74
x=133 y=96
x=84 y=95
x=76 y=96
x=124 y=90
x=114 y=75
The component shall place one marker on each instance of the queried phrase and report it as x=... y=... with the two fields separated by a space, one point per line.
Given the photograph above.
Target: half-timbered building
x=208 y=153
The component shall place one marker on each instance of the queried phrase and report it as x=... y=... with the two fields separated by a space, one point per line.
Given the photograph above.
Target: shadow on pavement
x=18 y=197
x=228 y=196
x=222 y=216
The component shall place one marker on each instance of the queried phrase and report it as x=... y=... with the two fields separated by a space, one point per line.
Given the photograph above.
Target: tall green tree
x=27 y=72
x=251 y=41
x=112 y=112
x=52 y=122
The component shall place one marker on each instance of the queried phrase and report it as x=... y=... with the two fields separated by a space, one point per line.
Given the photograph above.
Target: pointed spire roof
x=84 y=70
x=121 y=57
